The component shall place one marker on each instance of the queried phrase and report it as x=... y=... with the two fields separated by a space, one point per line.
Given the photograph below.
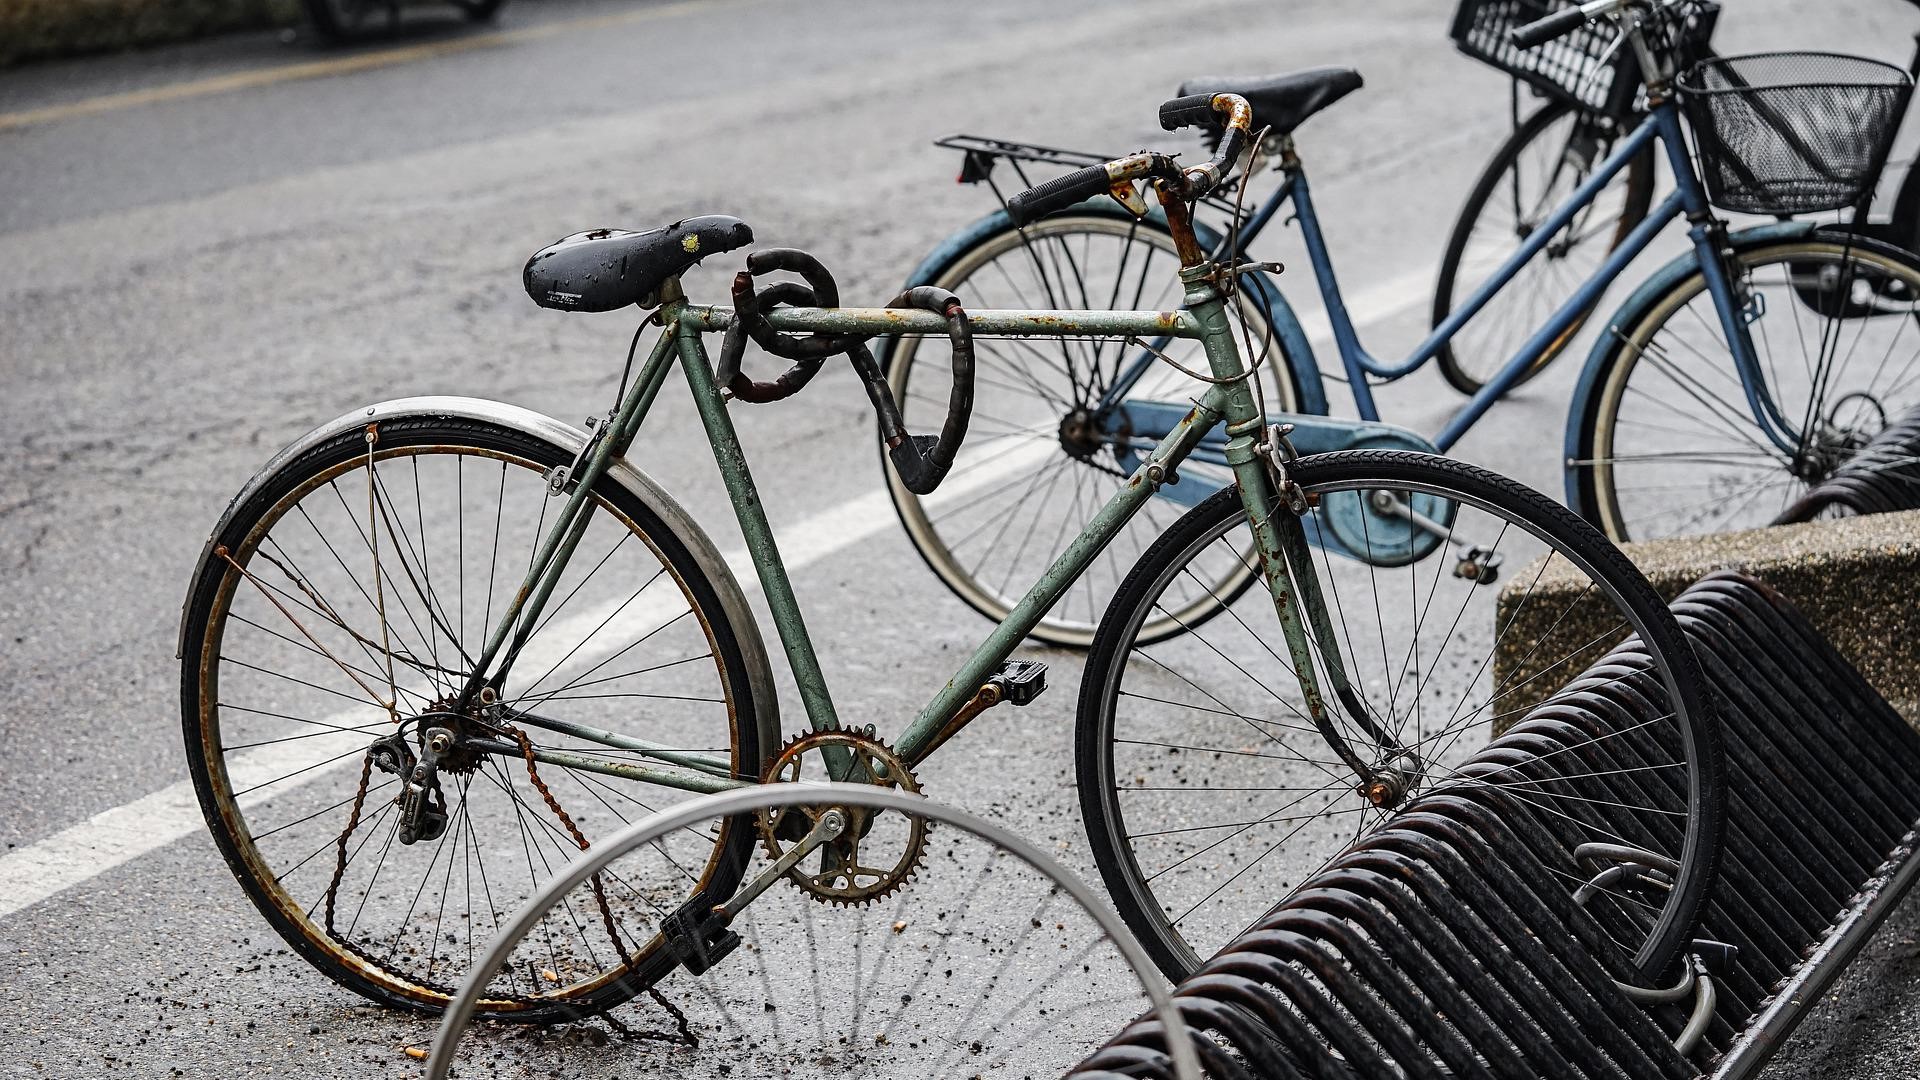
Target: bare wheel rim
x=1674 y=449
x=998 y=960
x=1035 y=468
x=292 y=663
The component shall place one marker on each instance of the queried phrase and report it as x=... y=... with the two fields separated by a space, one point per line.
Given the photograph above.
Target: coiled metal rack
x=1426 y=951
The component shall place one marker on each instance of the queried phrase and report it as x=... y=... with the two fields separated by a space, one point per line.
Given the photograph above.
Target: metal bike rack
x=1428 y=950
x=1883 y=476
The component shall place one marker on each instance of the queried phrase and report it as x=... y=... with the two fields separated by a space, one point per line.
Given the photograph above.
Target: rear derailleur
x=423 y=806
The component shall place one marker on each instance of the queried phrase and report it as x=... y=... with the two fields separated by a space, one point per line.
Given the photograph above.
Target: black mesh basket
x=1583 y=68
x=1793 y=132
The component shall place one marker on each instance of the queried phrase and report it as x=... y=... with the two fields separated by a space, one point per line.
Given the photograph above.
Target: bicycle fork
x=1275 y=509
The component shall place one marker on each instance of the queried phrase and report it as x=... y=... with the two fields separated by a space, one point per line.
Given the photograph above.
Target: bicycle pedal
x=697 y=937
x=1020 y=681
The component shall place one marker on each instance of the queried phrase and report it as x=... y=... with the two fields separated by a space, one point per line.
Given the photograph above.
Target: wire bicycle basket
x=1587 y=68
x=1793 y=132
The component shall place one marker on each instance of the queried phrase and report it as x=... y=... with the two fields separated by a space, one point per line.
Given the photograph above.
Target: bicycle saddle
x=606 y=269
x=1283 y=101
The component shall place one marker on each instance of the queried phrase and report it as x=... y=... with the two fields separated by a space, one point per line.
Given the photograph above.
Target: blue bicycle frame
x=1662 y=123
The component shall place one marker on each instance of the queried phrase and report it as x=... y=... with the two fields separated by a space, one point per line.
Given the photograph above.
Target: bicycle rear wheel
x=1545 y=160
x=1668 y=444
x=1050 y=442
x=1207 y=791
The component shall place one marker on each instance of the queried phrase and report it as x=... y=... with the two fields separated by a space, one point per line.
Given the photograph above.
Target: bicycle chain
x=684 y=1031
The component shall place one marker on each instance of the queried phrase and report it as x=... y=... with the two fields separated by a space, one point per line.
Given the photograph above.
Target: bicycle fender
x=1629 y=313
x=1258 y=284
x=706 y=556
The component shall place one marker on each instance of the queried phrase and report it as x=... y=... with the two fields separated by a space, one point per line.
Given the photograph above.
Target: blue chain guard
x=1342 y=523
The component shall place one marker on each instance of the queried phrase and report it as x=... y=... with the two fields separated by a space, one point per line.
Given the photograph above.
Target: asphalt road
x=201 y=258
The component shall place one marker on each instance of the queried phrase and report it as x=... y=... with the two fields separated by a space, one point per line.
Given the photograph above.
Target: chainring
x=835 y=874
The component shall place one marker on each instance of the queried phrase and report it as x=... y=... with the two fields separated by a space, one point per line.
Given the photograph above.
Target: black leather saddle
x=610 y=268
x=1284 y=101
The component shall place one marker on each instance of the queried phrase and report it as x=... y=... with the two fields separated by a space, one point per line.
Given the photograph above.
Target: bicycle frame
x=1688 y=200
x=1279 y=535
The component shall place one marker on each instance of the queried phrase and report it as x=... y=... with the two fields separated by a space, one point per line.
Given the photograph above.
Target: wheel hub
x=451 y=733
x=1080 y=434
x=1393 y=780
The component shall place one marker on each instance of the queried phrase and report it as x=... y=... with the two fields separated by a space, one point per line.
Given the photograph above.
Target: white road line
x=113 y=837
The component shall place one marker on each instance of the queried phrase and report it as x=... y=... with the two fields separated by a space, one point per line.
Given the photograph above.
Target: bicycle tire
x=1072 y=621
x=1636 y=198
x=219 y=731
x=1126 y=838
x=1663 y=388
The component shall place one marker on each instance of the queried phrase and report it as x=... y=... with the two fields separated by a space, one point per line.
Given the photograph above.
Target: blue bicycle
x=1731 y=379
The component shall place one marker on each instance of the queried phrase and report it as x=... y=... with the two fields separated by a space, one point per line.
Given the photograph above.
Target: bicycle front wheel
x=1209 y=793
x=1668 y=444
x=332 y=629
x=1059 y=423
x=1544 y=161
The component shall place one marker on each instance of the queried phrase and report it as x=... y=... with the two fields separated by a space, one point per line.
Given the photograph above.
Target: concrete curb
x=1856 y=579
x=39 y=29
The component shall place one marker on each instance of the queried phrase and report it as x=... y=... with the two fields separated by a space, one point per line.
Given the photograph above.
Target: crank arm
x=831 y=825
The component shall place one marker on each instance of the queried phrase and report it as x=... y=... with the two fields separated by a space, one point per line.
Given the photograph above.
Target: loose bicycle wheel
x=1545 y=160
x=330 y=631
x=995 y=961
x=1668 y=444
x=1209 y=793
x=1051 y=438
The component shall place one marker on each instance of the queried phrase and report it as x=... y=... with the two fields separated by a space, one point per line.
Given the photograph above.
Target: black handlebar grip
x=1194 y=110
x=1541 y=31
x=1057 y=194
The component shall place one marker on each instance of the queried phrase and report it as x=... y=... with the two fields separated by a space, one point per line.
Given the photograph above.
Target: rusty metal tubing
x=1569 y=1000
x=1203 y=1013
x=1140 y=1050
x=1130 y=1058
x=1855 y=766
x=1338 y=919
x=1500 y=825
x=1530 y=1008
x=1445 y=942
x=1558 y=948
x=1749 y=987
x=1623 y=707
x=1286 y=1037
x=1724 y=635
x=1331 y=985
x=1422 y=939
x=1764 y=1033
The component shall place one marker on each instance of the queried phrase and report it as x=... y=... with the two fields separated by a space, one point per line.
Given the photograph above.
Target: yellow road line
x=345 y=65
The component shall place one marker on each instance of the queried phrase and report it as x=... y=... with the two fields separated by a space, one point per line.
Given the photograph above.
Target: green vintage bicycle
x=438 y=645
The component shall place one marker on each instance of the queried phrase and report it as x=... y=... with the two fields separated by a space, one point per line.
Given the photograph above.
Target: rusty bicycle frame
x=1251 y=450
